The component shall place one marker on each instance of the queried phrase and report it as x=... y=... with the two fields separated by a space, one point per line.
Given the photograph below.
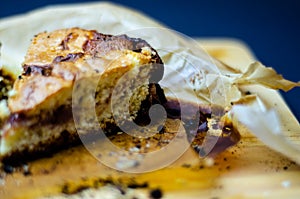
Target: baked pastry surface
x=40 y=102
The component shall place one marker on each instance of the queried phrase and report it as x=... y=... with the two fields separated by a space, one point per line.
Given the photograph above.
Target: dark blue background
x=270 y=28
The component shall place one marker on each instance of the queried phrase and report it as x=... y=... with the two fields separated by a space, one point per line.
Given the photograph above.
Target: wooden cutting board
x=248 y=170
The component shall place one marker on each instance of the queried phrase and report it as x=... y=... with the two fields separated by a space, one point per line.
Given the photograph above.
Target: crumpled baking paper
x=190 y=72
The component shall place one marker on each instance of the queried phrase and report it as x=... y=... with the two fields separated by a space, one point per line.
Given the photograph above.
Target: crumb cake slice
x=40 y=103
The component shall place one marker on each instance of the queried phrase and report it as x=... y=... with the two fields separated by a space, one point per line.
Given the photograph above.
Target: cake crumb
x=156 y=194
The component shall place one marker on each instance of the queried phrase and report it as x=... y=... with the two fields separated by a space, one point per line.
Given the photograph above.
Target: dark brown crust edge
x=42 y=150
x=106 y=42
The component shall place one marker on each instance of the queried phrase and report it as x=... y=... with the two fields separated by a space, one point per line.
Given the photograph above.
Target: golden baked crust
x=64 y=54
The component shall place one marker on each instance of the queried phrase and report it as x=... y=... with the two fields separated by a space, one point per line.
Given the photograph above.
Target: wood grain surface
x=248 y=170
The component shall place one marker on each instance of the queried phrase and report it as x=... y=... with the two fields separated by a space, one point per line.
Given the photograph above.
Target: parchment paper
x=190 y=72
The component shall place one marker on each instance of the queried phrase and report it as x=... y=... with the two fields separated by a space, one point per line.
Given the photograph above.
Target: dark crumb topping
x=156 y=194
x=121 y=184
x=8 y=168
x=248 y=93
x=6 y=84
x=135 y=185
x=44 y=70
